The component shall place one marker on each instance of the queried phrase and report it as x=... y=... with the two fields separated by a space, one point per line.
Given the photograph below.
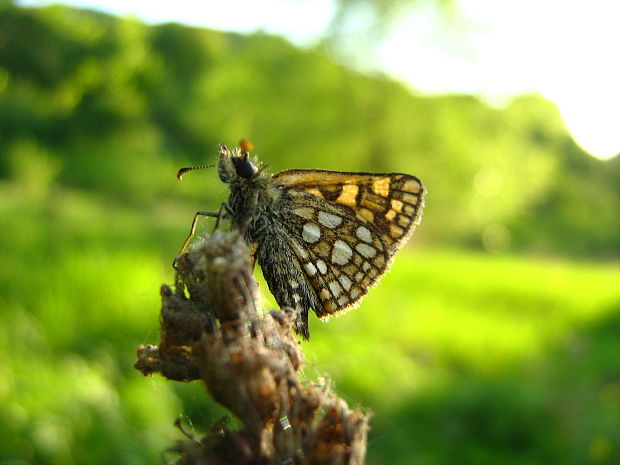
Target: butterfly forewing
x=345 y=228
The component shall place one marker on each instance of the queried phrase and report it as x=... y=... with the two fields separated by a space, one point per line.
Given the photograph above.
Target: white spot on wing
x=366 y=250
x=310 y=268
x=412 y=185
x=304 y=212
x=412 y=199
x=363 y=234
x=329 y=220
x=299 y=250
x=321 y=266
x=341 y=253
x=335 y=288
x=345 y=281
x=311 y=233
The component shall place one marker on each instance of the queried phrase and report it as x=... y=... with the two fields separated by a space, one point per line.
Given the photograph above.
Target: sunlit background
x=493 y=340
x=565 y=51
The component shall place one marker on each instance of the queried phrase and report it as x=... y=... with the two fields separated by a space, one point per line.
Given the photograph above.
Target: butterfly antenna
x=182 y=171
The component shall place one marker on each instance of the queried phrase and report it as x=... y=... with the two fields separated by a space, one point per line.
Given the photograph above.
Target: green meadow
x=494 y=339
x=470 y=358
x=462 y=357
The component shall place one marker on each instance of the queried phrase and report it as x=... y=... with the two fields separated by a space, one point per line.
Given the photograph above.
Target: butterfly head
x=236 y=165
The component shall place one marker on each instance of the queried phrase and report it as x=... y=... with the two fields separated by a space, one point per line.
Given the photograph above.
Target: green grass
x=462 y=357
x=469 y=358
x=483 y=312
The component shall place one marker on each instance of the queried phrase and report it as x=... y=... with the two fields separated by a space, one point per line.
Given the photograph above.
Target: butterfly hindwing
x=345 y=228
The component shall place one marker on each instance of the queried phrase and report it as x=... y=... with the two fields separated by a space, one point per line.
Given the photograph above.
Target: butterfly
x=322 y=238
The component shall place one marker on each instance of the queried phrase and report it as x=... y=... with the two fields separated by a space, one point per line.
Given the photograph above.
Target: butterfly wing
x=345 y=228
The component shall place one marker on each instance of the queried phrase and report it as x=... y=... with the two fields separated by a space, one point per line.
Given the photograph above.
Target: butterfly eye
x=244 y=167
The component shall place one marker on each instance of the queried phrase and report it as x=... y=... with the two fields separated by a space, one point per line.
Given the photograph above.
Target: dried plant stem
x=249 y=361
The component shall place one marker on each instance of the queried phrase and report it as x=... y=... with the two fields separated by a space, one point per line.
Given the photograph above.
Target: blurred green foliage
x=506 y=357
x=113 y=106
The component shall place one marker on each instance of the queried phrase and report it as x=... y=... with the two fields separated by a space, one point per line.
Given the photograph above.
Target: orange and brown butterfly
x=322 y=238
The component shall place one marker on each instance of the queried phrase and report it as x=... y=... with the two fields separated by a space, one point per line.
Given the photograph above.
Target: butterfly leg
x=195 y=223
x=253 y=251
x=221 y=215
x=301 y=323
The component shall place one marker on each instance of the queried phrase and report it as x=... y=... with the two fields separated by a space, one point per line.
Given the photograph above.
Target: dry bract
x=249 y=361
